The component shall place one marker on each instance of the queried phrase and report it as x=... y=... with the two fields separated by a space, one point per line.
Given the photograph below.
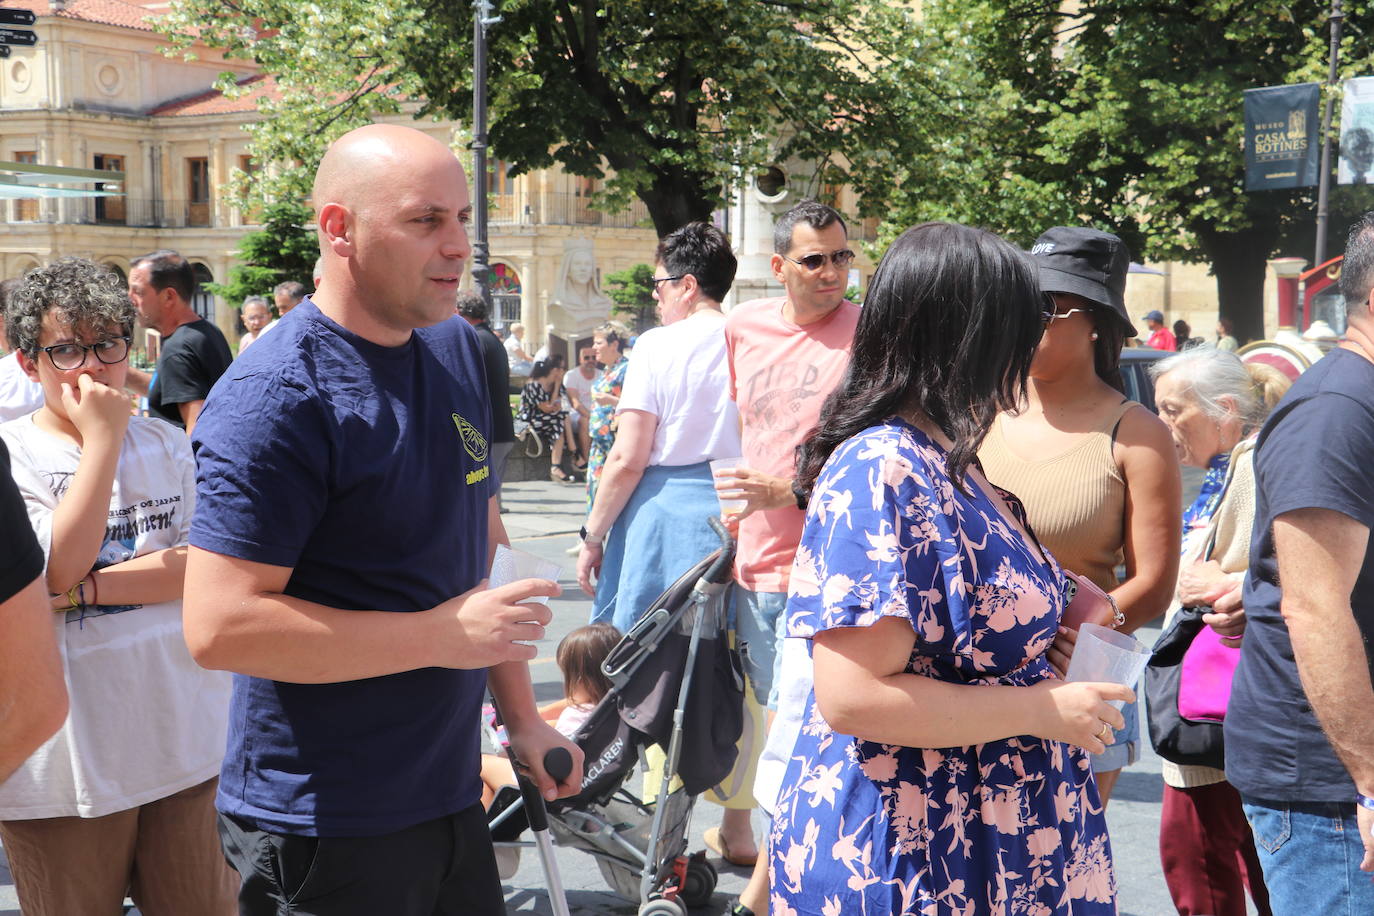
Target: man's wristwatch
x=588 y=539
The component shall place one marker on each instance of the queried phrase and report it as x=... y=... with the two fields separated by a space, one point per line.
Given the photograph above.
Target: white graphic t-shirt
x=146 y=721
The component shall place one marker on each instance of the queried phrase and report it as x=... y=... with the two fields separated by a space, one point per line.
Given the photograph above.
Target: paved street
x=543 y=518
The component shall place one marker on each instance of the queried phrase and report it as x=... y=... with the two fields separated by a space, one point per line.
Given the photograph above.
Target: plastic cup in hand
x=510 y=565
x=728 y=505
x=1104 y=655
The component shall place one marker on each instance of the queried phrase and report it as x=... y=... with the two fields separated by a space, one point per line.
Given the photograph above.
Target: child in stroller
x=579 y=657
x=675 y=681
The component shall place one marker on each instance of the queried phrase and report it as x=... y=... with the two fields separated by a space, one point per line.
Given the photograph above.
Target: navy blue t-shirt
x=364 y=469
x=1315 y=452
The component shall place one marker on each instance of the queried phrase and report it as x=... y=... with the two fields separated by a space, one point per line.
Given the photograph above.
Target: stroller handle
x=719 y=571
x=558 y=763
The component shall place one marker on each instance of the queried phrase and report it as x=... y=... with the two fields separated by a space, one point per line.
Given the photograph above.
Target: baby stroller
x=676 y=682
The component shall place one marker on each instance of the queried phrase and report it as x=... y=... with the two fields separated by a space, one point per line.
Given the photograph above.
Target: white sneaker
x=575 y=549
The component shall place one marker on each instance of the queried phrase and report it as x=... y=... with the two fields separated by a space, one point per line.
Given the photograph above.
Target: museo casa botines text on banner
x=1281 y=137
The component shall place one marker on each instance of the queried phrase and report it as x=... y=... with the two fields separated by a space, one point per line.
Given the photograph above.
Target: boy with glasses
x=121 y=799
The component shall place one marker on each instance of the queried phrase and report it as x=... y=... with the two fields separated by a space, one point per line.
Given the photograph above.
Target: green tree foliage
x=632 y=291
x=1126 y=115
x=285 y=248
x=671 y=101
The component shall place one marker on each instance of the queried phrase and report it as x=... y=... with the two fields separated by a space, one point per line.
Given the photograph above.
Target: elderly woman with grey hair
x=121 y=799
x=1214 y=406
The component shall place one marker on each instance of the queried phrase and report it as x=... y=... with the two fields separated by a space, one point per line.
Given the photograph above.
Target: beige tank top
x=1076 y=500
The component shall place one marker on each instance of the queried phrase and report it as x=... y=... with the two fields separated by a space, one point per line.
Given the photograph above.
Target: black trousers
x=436 y=868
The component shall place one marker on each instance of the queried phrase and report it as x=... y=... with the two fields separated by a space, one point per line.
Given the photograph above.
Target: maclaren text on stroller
x=678 y=683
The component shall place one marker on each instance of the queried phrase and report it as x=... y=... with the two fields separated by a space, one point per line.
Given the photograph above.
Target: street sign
x=17 y=17
x=10 y=36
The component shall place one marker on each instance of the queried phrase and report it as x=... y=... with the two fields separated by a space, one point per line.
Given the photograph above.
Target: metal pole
x=481 y=271
x=1324 y=181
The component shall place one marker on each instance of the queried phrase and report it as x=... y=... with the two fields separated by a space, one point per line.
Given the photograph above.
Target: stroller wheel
x=700 y=883
x=663 y=907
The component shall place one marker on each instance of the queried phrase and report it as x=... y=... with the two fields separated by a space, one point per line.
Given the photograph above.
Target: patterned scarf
x=1209 y=497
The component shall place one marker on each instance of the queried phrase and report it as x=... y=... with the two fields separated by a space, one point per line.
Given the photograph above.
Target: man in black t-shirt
x=194 y=352
x=497 y=364
x=1300 y=722
x=32 y=694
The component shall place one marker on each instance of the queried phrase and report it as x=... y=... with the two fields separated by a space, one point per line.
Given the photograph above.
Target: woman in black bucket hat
x=1097 y=472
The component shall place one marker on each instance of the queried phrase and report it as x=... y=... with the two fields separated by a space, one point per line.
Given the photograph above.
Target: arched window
x=204 y=301
x=505 y=295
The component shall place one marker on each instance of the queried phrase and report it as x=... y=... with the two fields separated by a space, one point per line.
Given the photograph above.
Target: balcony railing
x=134 y=212
x=561 y=209
x=553 y=209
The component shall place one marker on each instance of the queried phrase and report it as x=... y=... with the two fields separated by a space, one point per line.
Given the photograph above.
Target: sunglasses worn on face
x=658 y=280
x=814 y=262
x=73 y=355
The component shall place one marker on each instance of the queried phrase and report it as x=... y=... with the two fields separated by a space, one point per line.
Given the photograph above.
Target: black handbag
x=1176 y=739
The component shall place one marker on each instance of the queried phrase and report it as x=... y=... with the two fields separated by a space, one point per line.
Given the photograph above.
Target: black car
x=1135 y=372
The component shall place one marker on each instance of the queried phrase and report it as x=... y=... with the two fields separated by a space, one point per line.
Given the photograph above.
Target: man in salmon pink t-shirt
x=786 y=355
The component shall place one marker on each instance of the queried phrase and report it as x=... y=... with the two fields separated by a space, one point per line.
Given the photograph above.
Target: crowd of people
x=247 y=638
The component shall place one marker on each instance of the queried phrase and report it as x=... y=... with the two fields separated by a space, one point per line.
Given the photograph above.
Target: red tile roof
x=214 y=101
x=130 y=14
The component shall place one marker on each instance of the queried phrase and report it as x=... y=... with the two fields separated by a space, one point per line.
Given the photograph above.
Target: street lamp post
x=481 y=270
x=1324 y=180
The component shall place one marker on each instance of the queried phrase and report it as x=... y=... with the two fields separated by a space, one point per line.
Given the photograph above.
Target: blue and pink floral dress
x=1008 y=827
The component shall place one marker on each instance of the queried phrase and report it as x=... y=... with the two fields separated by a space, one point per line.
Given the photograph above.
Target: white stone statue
x=578 y=303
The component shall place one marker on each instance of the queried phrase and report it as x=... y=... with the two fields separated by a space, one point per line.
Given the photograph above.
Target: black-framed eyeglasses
x=68 y=356
x=814 y=262
x=658 y=280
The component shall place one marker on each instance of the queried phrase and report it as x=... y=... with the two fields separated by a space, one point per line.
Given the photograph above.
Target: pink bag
x=1204 y=684
x=1088 y=604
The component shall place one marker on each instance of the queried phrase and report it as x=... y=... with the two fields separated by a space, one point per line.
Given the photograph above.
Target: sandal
x=716 y=843
x=558 y=476
x=735 y=908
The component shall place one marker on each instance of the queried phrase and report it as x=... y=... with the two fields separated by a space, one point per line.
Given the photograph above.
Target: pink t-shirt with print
x=780 y=374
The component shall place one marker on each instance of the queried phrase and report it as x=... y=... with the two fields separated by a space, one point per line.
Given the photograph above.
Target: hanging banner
x=1357 y=132
x=1281 y=137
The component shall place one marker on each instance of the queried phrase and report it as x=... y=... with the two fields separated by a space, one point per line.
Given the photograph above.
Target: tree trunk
x=675 y=201
x=1239 y=262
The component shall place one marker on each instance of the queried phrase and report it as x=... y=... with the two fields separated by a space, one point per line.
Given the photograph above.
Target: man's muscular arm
x=1320 y=553
x=236 y=618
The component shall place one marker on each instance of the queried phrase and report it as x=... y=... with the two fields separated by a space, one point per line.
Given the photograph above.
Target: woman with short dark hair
x=647 y=524
x=942 y=765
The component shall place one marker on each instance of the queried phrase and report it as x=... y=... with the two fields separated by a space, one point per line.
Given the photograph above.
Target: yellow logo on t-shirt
x=473 y=441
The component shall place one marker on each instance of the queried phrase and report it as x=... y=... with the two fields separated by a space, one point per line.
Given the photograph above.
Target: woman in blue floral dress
x=942 y=766
x=608 y=343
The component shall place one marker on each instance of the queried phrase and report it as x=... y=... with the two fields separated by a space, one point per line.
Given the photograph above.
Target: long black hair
x=948 y=330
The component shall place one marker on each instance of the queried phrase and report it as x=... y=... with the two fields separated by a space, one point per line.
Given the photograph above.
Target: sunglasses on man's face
x=814 y=262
